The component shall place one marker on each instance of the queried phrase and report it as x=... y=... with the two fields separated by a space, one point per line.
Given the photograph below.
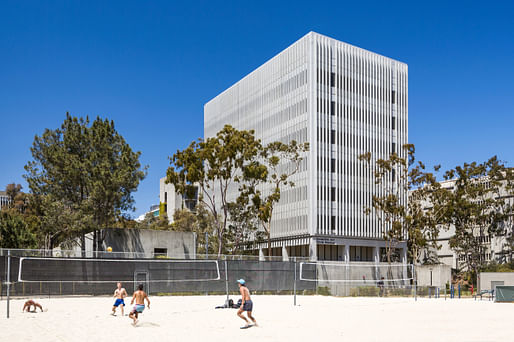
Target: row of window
x=346 y=82
x=350 y=139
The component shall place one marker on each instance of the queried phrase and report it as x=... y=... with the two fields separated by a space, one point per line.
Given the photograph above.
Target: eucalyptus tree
x=281 y=162
x=410 y=204
x=216 y=165
x=478 y=208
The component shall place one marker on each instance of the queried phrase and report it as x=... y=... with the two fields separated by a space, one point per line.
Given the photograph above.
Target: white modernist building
x=344 y=101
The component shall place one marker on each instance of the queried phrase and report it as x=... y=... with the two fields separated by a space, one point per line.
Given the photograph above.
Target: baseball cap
x=241 y=281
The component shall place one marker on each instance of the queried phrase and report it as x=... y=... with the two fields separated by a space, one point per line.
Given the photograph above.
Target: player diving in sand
x=246 y=304
x=29 y=303
x=139 y=296
x=120 y=293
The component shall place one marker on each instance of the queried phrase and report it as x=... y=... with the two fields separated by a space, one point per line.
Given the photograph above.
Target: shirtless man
x=29 y=303
x=119 y=294
x=139 y=296
x=246 y=304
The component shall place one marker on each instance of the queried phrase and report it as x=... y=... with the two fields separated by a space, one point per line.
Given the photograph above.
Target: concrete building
x=172 y=201
x=147 y=243
x=344 y=101
x=4 y=199
x=489 y=280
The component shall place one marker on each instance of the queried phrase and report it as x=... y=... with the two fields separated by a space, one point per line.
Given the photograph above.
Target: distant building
x=494 y=247
x=344 y=101
x=172 y=201
x=4 y=199
x=154 y=211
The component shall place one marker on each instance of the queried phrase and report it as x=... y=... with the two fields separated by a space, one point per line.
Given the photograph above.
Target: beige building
x=494 y=247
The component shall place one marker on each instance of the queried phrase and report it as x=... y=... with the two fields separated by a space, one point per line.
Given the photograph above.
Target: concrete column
x=285 y=256
x=376 y=254
x=346 y=253
x=404 y=255
x=313 y=250
x=261 y=255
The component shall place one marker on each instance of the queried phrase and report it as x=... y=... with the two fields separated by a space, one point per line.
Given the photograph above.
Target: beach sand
x=316 y=318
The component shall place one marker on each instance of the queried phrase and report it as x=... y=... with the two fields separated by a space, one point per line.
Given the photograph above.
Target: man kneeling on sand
x=29 y=303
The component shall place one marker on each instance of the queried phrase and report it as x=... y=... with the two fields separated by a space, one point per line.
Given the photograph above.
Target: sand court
x=316 y=318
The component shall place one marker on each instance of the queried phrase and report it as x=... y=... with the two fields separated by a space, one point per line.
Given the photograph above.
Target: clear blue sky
x=151 y=65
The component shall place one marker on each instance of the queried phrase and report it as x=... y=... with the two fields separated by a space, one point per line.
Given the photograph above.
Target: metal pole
x=8 y=279
x=294 y=287
x=415 y=283
x=226 y=279
x=206 y=245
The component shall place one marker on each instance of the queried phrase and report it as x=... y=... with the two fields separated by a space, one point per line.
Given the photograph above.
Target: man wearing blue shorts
x=120 y=293
x=246 y=304
x=139 y=296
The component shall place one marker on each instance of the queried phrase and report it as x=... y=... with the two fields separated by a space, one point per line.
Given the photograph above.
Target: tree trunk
x=83 y=245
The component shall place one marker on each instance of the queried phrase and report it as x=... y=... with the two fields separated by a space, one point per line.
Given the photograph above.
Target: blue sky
x=152 y=65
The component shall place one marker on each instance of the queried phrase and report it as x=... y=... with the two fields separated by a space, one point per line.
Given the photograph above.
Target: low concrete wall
x=489 y=279
x=178 y=244
x=433 y=275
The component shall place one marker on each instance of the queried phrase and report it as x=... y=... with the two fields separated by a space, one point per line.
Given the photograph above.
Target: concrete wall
x=496 y=278
x=433 y=275
x=178 y=244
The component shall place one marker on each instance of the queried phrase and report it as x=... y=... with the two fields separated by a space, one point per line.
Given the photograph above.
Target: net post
x=415 y=282
x=226 y=278
x=8 y=279
x=294 y=286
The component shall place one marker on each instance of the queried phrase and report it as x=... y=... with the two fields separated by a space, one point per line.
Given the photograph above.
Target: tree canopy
x=87 y=170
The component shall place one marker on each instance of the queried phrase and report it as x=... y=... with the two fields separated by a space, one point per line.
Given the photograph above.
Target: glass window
x=393 y=97
x=332 y=108
x=393 y=123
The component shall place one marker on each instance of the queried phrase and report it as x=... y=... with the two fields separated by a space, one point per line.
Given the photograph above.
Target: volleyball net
x=55 y=276
x=359 y=279
x=33 y=275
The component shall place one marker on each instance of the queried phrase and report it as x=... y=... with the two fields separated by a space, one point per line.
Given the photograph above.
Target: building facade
x=494 y=247
x=344 y=101
x=4 y=199
x=171 y=200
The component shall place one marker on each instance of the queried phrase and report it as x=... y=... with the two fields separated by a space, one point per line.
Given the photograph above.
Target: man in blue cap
x=246 y=304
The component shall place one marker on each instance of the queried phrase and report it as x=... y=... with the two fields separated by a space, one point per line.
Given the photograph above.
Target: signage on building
x=329 y=241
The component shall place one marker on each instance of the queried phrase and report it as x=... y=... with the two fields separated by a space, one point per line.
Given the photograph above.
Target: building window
x=332 y=108
x=160 y=252
x=394 y=148
x=333 y=194
x=393 y=97
x=393 y=123
x=332 y=165
x=332 y=79
x=332 y=137
x=165 y=197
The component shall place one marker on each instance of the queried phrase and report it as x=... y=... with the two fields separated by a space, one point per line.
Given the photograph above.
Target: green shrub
x=364 y=291
x=323 y=291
